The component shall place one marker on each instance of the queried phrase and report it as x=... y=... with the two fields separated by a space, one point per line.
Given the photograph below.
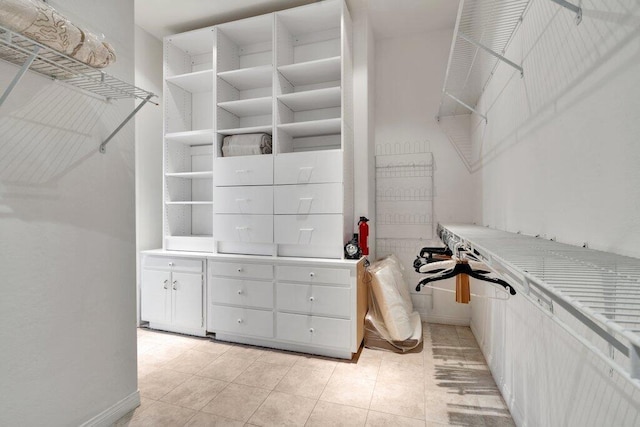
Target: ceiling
x=389 y=18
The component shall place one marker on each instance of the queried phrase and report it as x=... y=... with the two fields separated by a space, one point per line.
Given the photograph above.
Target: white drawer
x=172 y=263
x=243 y=200
x=314 y=299
x=248 y=293
x=315 y=230
x=242 y=321
x=308 y=199
x=314 y=330
x=243 y=170
x=243 y=228
x=312 y=274
x=308 y=167
x=240 y=269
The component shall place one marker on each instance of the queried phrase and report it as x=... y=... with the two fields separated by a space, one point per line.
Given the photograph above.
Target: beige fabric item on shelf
x=42 y=23
x=246 y=144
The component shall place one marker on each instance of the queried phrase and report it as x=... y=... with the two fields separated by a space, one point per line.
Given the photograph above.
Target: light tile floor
x=187 y=381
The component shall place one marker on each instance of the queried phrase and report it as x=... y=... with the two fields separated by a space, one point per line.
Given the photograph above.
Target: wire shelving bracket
x=599 y=289
x=572 y=7
x=31 y=55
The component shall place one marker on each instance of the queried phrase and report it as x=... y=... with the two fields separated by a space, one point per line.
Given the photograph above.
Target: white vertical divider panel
x=347 y=122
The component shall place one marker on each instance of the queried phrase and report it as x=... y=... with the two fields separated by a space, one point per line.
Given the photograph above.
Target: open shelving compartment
x=189 y=136
x=30 y=55
x=244 y=83
x=309 y=79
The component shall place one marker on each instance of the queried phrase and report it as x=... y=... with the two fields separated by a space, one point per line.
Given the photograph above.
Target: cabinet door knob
x=311 y=299
x=165 y=283
x=239 y=291
x=239 y=320
x=175 y=282
x=312 y=274
x=170 y=264
x=311 y=330
x=239 y=269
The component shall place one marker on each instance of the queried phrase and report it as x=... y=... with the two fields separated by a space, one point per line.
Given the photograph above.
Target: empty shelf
x=191 y=175
x=191 y=137
x=249 y=107
x=312 y=128
x=312 y=99
x=200 y=81
x=248 y=78
x=319 y=71
x=252 y=129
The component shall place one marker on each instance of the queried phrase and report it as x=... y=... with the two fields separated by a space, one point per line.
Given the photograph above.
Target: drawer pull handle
x=242 y=200
x=242 y=170
x=239 y=269
x=311 y=330
x=242 y=228
x=170 y=264
x=239 y=320
x=175 y=282
x=312 y=274
x=311 y=299
x=239 y=291
x=165 y=283
x=304 y=175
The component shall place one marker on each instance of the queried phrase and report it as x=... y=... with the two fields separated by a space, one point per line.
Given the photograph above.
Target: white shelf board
x=252 y=129
x=191 y=175
x=248 y=78
x=318 y=71
x=199 y=81
x=189 y=202
x=192 y=137
x=312 y=128
x=312 y=99
x=249 y=107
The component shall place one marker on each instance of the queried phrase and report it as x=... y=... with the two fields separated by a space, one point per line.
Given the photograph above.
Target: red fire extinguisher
x=364 y=235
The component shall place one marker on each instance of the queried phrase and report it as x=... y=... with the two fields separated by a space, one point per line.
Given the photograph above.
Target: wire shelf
x=17 y=49
x=600 y=289
x=482 y=25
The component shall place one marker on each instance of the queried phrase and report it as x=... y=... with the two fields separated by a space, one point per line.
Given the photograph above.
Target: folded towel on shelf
x=246 y=144
x=42 y=23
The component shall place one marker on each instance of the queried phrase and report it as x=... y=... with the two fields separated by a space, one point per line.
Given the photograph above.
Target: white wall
x=67 y=246
x=148 y=75
x=560 y=159
x=409 y=75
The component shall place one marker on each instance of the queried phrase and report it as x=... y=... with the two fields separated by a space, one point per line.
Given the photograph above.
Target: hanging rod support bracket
x=102 y=148
x=21 y=72
x=465 y=105
x=491 y=52
x=572 y=7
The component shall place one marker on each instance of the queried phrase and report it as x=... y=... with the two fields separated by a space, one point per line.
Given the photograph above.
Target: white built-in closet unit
x=271 y=227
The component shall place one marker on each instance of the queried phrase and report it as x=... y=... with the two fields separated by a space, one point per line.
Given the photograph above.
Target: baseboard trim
x=110 y=415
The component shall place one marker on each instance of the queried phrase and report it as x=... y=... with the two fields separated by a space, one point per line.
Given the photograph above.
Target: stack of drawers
x=309 y=306
x=302 y=213
x=241 y=298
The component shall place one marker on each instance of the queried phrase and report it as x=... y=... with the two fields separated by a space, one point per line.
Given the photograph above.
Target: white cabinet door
x=243 y=170
x=308 y=167
x=314 y=299
x=243 y=228
x=314 y=330
x=243 y=200
x=315 y=230
x=186 y=290
x=248 y=293
x=155 y=298
x=308 y=199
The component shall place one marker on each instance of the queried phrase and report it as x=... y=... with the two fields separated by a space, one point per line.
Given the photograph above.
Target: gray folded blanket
x=246 y=144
